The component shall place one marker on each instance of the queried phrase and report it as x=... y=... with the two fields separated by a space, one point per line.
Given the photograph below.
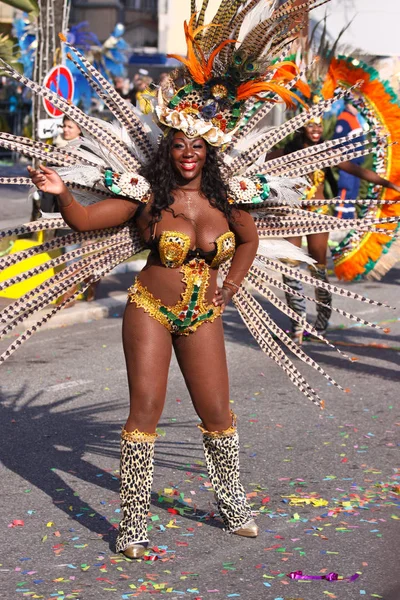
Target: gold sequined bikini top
x=174 y=249
x=318 y=177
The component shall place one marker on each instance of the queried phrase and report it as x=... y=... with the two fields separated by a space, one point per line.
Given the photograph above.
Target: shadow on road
x=42 y=443
x=361 y=345
x=393 y=594
x=365 y=342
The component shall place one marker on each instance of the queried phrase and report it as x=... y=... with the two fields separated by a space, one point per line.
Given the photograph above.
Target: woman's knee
x=215 y=417
x=146 y=405
x=317 y=247
x=145 y=411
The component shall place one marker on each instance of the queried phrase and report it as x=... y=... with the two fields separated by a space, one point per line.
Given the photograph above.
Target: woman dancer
x=171 y=194
x=317 y=243
x=191 y=230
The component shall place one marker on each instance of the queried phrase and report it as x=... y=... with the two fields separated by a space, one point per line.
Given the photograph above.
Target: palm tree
x=9 y=53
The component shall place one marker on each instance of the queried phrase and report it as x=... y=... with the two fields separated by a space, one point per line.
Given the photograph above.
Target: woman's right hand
x=222 y=297
x=47 y=180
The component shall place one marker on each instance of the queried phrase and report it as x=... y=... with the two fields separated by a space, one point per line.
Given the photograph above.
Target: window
x=149 y=6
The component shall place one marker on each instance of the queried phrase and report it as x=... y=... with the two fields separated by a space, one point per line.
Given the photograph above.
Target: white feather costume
x=230 y=87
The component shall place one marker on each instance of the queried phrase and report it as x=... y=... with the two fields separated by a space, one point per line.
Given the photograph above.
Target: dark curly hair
x=162 y=177
x=298 y=141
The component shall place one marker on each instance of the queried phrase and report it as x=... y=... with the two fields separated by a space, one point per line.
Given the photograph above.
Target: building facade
x=6 y=17
x=140 y=18
x=171 y=15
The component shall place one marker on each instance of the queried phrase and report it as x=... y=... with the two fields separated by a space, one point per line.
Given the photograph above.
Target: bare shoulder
x=243 y=226
x=241 y=218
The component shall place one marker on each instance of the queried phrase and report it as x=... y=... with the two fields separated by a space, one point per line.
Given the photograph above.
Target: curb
x=83 y=312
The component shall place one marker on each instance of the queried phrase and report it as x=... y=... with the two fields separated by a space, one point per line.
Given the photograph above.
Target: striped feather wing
x=98 y=253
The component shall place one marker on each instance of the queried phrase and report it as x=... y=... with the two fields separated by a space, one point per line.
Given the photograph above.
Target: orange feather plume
x=254 y=88
x=286 y=71
x=198 y=66
x=303 y=88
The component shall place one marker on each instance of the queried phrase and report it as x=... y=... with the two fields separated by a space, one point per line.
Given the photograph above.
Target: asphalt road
x=15 y=205
x=63 y=403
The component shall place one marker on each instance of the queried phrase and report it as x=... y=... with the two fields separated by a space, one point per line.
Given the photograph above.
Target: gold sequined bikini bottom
x=318 y=178
x=322 y=210
x=190 y=312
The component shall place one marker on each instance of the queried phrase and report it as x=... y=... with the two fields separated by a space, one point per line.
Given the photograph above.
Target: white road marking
x=40 y=341
x=67 y=336
x=68 y=384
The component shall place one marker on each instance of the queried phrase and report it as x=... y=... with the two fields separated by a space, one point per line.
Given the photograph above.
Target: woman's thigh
x=296 y=241
x=147 y=347
x=318 y=246
x=202 y=360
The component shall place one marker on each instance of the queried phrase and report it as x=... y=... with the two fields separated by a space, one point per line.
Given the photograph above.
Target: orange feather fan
x=374 y=247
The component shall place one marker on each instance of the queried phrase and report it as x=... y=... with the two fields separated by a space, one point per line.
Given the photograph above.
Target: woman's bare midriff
x=166 y=284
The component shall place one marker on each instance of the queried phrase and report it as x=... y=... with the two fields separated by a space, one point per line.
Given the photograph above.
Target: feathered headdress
x=231 y=64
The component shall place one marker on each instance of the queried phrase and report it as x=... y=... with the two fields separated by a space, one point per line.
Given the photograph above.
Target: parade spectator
x=69 y=136
x=163 y=76
x=123 y=87
x=143 y=94
x=70 y=131
x=348 y=184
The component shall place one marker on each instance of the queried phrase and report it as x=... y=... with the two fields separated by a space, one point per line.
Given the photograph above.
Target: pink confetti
x=17 y=523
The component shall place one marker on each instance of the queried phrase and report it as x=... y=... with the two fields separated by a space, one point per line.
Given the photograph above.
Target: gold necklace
x=188 y=197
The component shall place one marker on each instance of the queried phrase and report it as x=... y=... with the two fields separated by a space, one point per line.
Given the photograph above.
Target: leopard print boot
x=136 y=471
x=221 y=450
x=323 y=312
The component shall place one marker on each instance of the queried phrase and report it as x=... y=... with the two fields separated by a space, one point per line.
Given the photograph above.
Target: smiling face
x=188 y=156
x=70 y=130
x=313 y=132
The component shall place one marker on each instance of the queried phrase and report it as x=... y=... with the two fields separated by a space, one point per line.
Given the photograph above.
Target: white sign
x=49 y=128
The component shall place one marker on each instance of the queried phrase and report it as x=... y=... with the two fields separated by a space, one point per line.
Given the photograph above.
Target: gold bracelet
x=66 y=205
x=230 y=288
x=230 y=282
x=71 y=199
